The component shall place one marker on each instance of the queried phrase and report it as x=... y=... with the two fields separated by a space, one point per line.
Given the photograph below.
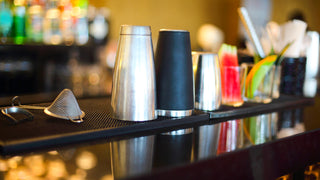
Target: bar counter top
x=255 y=141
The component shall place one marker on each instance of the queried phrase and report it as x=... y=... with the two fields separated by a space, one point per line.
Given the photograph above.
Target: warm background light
x=173 y=14
x=190 y=14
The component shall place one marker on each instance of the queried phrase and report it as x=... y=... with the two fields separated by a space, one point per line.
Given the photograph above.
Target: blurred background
x=49 y=45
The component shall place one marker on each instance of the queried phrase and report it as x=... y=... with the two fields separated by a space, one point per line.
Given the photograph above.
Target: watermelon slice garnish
x=228 y=55
x=230 y=76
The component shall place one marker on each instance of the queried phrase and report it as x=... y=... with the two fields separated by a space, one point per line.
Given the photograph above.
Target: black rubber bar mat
x=45 y=131
x=250 y=108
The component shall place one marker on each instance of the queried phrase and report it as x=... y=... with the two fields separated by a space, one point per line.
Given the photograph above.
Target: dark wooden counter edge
x=265 y=161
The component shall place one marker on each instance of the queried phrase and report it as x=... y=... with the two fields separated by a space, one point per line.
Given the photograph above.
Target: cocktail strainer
x=65 y=106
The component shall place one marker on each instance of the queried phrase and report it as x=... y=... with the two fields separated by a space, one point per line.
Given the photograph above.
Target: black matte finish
x=174 y=72
x=292 y=76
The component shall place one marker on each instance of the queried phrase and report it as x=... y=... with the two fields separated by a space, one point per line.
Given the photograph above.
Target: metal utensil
x=16 y=102
x=245 y=18
x=65 y=106
x=16 y=110
x=133 y=96
x=207 y=81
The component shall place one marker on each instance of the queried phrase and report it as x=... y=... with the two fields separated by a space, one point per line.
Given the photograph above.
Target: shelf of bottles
x=49 y=22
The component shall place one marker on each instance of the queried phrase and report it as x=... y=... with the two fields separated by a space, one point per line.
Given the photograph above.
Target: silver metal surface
x=174 y=113
x=16 y=102
x=207 y=81
x=17 y=110
x=133 y=95
x=135 y=30
x=175 y=30
x=179 y=132
x=132 y=157
x=245 y=18
x=65 y=106
x=75 y=119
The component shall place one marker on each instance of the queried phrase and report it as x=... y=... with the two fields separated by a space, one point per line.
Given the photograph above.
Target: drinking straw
x=245 y=18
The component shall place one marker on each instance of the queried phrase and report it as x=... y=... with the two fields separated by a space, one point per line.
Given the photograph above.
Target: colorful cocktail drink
x=232 y=76
x=232 y=83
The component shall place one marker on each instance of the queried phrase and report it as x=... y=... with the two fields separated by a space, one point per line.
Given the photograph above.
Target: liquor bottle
x=51 y=30
x=19 y=11
x=67 y=22
x=99 y=25
x=6 y=20
x=81 y=21
x=34 y=21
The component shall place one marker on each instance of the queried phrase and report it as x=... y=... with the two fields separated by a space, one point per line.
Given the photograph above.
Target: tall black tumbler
x=292 y=76
x=174 y=74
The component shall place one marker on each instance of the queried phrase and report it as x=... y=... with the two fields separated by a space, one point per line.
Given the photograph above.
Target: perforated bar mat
x=45 y=131
x=250 y=108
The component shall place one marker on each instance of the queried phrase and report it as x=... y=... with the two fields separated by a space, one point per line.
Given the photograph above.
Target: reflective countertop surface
x=226 y=143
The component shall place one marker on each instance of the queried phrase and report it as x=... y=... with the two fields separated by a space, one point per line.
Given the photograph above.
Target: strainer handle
x=16 y=102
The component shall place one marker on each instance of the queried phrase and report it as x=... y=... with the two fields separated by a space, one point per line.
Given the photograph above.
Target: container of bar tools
x=175 y=95
x=207 y=81
x=133 y=96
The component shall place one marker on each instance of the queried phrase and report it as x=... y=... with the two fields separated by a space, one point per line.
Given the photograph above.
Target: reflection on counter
x=311 y=172
x=206 y=141
x=76 y=164
x=229 y=136
x=144 y=155
x=290 y=123
x=258 y=129
x=132 y=157
x=173 y=148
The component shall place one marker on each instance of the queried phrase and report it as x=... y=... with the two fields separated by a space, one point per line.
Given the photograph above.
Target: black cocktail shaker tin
x=174 y=74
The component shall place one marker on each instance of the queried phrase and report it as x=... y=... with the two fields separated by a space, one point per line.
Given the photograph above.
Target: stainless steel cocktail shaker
x=133 y=96
x=207 y=81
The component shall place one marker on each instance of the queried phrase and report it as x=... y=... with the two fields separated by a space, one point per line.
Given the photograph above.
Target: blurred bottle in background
x=53 y=22
x=98 y=24
x=67 y=30
x=80 y=8
x=6 y=20
x=52 y=33
x=34 y=21
x=19 y=13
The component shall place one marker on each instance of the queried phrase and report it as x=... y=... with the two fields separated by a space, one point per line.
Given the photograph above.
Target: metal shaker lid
x=173 y=30
x=135 y=30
